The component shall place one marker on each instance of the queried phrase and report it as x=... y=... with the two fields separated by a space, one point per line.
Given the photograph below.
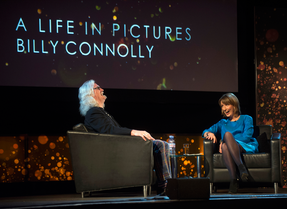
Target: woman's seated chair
x=263 y=167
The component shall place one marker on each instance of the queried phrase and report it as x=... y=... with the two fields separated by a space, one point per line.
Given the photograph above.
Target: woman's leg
x=235 y=151
x=229 y=162
x=234 y=148
x=231 y=152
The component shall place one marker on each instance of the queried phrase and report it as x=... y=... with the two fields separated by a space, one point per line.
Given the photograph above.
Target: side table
x=173 y=161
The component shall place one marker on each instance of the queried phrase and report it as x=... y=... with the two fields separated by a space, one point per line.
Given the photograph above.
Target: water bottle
x=171 y=144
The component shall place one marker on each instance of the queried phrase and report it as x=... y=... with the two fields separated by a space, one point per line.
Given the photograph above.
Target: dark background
x=208 y=54
x=53 y=111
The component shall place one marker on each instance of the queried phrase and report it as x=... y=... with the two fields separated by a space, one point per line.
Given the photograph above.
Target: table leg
x=198 y=167
x=173 y=167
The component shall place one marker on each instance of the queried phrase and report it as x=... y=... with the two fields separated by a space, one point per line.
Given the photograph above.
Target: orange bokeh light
x=24 y=172
x=15 y=146
x=52 y=145
x=38 y=174
x=59 y=164
x=43 y=139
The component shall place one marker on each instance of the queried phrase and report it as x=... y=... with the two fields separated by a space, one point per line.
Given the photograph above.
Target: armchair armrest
x=276 y=157
x=276 y=136
x=208 y=158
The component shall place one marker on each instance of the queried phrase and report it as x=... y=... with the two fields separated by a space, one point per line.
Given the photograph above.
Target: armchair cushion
x=257 y=160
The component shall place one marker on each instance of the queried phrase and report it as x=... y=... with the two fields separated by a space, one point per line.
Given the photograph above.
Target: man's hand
x=143 y=134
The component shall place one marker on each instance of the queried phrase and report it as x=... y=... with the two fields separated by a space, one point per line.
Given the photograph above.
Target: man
x=92 y=103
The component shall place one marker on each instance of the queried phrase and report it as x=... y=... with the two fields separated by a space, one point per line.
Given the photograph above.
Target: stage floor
x=135 y=199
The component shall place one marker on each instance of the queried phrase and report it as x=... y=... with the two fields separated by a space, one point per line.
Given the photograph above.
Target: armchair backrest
x=264 y=128
x=80 y=128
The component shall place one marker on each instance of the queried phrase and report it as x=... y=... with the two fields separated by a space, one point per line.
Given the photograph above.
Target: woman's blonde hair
x=230 y=99
x=86 y=93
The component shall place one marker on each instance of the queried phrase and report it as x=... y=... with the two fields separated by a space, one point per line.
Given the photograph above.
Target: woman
x=236 y=133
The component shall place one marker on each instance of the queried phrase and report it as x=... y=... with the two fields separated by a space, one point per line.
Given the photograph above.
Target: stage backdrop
x=125 y=44
x=41 y=158
x=271 y=54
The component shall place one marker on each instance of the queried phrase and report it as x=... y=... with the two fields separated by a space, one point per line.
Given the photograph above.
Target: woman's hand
x=210 y=136
x=143 y=134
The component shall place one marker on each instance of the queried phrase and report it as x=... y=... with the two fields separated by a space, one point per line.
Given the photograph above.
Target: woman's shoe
x=233 y=187
x=243 y=173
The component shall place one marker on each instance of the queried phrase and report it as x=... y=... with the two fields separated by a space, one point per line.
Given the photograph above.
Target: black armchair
x=105 y=161
x=263 y=167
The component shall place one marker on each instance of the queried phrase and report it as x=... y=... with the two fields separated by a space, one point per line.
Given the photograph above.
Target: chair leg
x=83 y=194
x=145 y=188
x=149 y=190
x=275 y=187
x=210 y=188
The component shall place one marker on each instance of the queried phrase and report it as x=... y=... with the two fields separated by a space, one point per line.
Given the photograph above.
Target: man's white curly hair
x=86 y=93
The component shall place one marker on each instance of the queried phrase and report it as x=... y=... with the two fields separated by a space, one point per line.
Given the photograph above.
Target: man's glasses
x=98 y=87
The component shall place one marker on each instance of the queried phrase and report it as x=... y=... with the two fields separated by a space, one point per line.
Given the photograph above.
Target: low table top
x=188 y=155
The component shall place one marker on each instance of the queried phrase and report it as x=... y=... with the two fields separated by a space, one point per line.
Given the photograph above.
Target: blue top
x=242 y=131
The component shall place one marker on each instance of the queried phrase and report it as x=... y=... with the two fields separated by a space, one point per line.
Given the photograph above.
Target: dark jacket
x=99 y=121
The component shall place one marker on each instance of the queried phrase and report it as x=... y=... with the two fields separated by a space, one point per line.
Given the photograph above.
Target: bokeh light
x=10 y=171
x=272 y=75
x=59 y=164
x=272 y=35
x=52 y=145
x=116 y=8
x=172 y=38
x=54 y=72
x=93 y=26
x=43 y=139
x=24 y=172
x=45 y=161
